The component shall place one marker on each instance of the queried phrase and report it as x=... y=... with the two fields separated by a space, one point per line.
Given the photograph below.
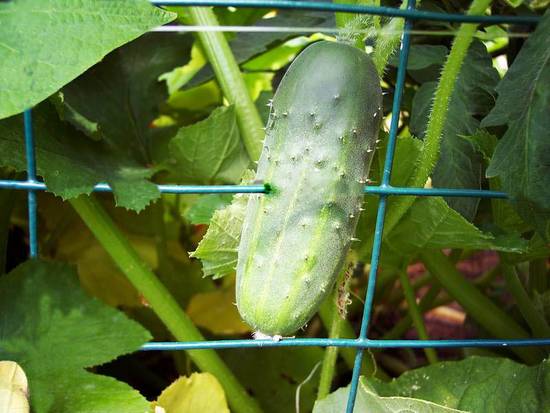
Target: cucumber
x=320 y=139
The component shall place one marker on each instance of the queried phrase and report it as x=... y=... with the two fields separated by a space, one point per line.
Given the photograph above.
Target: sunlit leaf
x=14 y=388
x=48 y=43
x=198 y=393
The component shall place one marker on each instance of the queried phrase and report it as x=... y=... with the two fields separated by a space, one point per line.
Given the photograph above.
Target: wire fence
x=384 y=190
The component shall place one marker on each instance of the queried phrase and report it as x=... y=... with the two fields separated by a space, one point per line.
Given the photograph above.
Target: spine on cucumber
x=320 y=139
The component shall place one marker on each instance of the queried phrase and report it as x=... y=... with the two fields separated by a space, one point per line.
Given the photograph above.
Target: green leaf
x=368 y=401
x=121 y=96
x=71 y=164
x=422 y=56
x=459 y=165
x=210 y=151
x=521 y=156
x=425 y=62
x=273 y=375
x=48 y=43
x=218 y=248
x=200 y=392
x=55 y=331
x=431 y=224
x=476 y=384
x=201 y=212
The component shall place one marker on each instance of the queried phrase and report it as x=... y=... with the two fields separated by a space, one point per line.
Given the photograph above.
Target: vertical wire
x=31 y=178
x=379 y=229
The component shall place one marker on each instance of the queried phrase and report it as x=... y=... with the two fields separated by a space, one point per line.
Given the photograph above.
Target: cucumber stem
x=534 y=318
x=416 y=314
x=159 y=298
x=228 y=74
x=429 y=153
x=478 y=306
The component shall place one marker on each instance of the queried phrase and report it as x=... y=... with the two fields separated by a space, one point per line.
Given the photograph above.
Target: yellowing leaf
x=199 y=393
x=216 y=311
x=14 y=388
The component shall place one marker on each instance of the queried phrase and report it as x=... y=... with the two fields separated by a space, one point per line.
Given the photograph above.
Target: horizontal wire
x=353 y=8
x=331 y=30
x=341 y=342
x=262 y=189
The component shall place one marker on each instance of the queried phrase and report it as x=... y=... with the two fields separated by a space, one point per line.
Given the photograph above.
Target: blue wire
x=409 y=14
x=31 y=179
x=341 y=342
x=261 y=189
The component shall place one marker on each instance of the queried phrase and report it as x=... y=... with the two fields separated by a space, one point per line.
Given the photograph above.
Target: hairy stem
x=438 y=115
x=416 y=314
x=534 y=318
x=491 y=317
x=159 y=298
x=228 y=74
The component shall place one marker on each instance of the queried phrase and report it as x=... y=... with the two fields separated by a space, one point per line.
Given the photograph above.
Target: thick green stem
x=159 y=298
x=231 y=82
x=534 y=318
x=415 y=314
x=478 y=306
x=438 y=115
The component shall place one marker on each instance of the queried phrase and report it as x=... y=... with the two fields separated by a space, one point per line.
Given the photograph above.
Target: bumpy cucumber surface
x=320 y=138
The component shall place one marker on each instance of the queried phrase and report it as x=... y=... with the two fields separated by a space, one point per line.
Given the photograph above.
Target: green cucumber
x=320 y=139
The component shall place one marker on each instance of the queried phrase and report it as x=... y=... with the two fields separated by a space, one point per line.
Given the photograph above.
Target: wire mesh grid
x=384 y=190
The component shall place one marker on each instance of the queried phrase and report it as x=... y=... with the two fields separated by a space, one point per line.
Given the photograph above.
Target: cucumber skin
x=319 y=143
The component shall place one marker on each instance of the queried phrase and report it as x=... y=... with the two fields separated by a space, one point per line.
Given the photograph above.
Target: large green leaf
x=521 y=159
x=476 y=384
x=48 y=43
x=368 y=401
x=71 y=164
x=121 y=95
x=55 y=331
x=459 y=165
x=210 y=151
